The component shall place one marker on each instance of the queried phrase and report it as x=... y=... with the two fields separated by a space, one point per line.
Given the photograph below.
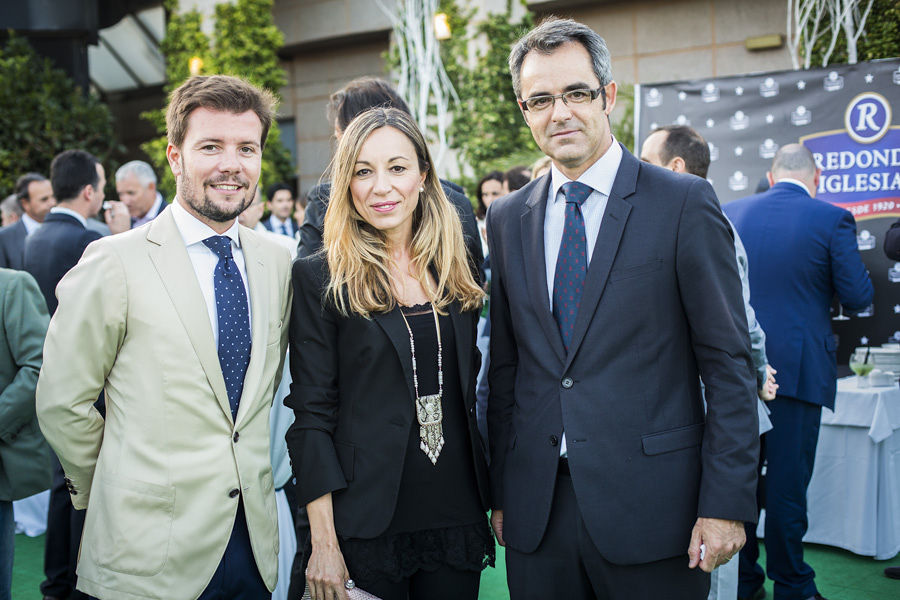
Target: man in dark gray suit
x=614 y=289
x=35 y=195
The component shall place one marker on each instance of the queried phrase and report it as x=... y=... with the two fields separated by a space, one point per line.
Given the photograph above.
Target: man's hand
x=723 y=539
x=769 y=388
x=118 y=219
x=497 y=525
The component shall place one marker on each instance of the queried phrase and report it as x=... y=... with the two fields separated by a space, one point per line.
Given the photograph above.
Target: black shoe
x=892 y=572
x=759 y=594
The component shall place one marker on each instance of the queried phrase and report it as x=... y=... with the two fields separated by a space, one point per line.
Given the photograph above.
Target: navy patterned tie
x=234 y=319
x=571 y=264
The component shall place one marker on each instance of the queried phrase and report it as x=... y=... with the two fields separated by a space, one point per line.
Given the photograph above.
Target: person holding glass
x=384 y=443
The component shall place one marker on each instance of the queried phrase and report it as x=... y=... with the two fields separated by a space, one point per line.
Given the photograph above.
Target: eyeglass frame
x=600 y=91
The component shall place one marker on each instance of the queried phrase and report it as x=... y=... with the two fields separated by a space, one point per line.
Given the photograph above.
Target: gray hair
x=550 y=35
x=795 y=159
x=139 y=169
x=11 y=204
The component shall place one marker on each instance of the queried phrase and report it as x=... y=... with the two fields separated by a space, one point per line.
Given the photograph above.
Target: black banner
x=845 y=115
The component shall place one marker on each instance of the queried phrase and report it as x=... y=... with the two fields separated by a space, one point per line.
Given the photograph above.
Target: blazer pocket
x=345 y=456
x=673 y=439
x=635 y=271
x=134 y=525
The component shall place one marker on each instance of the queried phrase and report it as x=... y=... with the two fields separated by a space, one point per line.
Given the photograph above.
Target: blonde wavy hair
x=358 y=256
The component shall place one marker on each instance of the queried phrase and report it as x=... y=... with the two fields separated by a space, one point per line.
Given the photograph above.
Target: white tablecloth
x=854 y=495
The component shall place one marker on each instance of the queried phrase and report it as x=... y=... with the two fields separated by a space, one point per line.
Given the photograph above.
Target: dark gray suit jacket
x=661 y=307
x=12 y=245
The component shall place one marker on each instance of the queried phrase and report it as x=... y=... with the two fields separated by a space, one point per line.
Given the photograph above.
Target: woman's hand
x=327 y=573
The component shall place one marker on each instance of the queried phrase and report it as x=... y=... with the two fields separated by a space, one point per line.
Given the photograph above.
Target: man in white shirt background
x=281 y=203
x=136 y=188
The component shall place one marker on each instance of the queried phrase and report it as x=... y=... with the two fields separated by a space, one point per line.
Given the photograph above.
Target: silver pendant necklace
x=429 y=412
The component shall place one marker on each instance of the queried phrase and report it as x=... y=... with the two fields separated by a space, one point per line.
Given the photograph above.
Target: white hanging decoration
x=422 y=81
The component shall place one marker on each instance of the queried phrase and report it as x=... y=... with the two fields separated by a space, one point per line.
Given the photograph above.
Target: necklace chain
x=429 y=412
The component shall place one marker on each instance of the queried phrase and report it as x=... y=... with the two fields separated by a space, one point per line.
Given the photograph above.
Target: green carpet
x=840 y=575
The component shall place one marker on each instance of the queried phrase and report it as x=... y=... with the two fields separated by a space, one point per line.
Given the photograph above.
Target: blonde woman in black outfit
x=384 y=445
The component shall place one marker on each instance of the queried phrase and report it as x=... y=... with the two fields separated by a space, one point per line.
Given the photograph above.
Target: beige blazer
x=160 y=476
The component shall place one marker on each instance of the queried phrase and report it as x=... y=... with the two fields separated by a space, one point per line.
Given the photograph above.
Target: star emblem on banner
x=739 y=91
x=864 y=341
x=801 y=85
x=738 y=151
x=770 y=118
x=869 y=77
x=710 y=123
x=682 y=96
x=897 y=309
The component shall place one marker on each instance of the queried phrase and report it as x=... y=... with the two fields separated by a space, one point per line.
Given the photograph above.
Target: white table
x=854 y=494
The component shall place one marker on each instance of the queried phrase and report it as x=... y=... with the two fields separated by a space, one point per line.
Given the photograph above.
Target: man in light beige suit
x=183 y=323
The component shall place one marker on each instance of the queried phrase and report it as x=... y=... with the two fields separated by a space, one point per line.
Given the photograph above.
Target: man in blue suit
x=801 y=252
x=35 y=196
x=78 y=180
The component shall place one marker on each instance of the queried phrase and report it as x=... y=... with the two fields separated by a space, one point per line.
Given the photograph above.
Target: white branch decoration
x=804 y=18
x=423 y=81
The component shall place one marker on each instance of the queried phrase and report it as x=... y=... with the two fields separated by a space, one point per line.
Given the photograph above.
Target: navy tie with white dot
x=571 y=264
x=234 y=319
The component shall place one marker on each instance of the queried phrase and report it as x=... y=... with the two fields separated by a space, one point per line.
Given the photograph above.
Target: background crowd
x=641 y=363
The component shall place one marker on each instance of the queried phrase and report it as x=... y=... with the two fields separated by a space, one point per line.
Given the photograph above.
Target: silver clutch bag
x=353 y=592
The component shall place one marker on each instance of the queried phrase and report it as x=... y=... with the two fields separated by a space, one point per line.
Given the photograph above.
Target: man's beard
x=205 y=207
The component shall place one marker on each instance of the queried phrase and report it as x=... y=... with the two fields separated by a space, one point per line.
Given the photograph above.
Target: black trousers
x=445 y=583
x=568 y=565
x=64 y=526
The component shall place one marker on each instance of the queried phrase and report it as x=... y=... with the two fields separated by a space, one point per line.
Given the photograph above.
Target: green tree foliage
x=245 y=42
x=880 y=40
x=42 y=113
x=488 y=129
x=622 y=118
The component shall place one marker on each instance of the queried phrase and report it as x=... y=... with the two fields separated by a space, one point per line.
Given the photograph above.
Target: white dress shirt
x=599 y=176
x=193 y=231
x=62 y=210
x=275 y=223
x=30 y=224
x=796 y=182
x=150 y=214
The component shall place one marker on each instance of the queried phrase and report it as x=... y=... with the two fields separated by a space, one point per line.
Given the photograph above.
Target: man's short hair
x=794 y=158
x=70 y=171
x=223 y=93
x=517 y=177
x=550 y=35
x=360 y=95
x=685 y=142
x=24 y=181
x=139 y=169
x=277 y=187
x=11 y=205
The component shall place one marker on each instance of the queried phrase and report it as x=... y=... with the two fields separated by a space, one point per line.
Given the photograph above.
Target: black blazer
x=12 y=245
x=54 y=249
x=343 y=439
x=661 y=307
x=317 y=203
x=892 y=241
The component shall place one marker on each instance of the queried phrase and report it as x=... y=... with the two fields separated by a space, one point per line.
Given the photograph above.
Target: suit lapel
x=259 y=317
x=171 y=260
x=395 y=328
x=536 y=265
x=607 y=245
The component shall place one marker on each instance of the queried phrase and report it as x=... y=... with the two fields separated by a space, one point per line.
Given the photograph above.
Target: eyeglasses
x=582 y=96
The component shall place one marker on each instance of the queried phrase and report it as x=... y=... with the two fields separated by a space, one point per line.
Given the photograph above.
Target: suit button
x=236 y=437
x=567 y=382
x=472 y=410
x=234 y=493
x=73 y=492
x=554 y=440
